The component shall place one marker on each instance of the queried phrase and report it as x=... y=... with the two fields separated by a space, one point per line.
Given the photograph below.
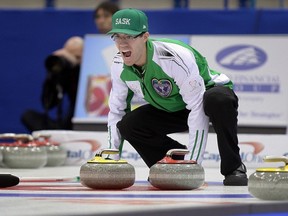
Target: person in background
x=182 y=93
x=103 y=16
x=63 y=68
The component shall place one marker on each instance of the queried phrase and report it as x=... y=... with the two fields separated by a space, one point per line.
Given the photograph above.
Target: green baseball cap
x=129 y=21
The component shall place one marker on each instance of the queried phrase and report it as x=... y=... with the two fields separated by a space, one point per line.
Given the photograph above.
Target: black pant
x=146 y=128
x=221 y=104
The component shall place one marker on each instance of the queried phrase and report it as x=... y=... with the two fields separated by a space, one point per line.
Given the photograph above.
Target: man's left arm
x=191 y=87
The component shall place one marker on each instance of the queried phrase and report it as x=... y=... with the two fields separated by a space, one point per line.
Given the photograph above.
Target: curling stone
x=24 y=153
x=2 y=147
x=56 y=155
x=1 y=156
x=170 y=174
x=270 y=183
x=6 y=140
x=106 y=173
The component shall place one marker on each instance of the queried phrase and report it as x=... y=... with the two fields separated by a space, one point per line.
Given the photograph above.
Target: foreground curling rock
x=270 y=183
x=105 y=173
x=173 y=174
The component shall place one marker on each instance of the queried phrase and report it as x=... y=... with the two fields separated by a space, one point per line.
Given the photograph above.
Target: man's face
x=132 y=48
x=103 y=21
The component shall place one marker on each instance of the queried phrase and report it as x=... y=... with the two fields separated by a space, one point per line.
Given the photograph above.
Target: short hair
x=107 y=6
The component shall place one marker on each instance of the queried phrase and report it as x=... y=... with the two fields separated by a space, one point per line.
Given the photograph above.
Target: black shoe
x=237 y=178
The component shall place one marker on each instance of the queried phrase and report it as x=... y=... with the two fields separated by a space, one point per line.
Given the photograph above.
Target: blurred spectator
x=245 y=3
x=103 y=16
x=63 y=68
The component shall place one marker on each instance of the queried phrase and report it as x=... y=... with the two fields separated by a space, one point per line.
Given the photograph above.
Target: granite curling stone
x=106 y=173
x=24 y=153
x=56 y=155
x=1 y=157
x=270 y=183
x=6 y=139
x=170 y=174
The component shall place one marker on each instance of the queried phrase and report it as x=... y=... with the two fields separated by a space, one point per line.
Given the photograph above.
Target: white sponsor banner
x=258 y=67
x=253 y=147
x=81 y=146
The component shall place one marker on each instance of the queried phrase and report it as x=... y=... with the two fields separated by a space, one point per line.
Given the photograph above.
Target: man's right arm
x=118 y=103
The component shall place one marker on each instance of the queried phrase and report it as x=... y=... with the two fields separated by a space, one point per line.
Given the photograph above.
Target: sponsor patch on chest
x=163 y=87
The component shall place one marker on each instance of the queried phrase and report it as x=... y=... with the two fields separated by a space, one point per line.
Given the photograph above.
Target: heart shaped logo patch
x=162 y=87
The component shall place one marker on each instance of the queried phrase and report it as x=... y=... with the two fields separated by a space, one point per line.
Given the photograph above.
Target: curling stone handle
x=23 y=137
x=7 y=136
x=177 y=152
x=108 y=151
x=43 y=136
x=276 y=159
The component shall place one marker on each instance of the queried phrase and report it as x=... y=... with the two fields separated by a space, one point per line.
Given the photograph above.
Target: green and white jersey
x=175 y=77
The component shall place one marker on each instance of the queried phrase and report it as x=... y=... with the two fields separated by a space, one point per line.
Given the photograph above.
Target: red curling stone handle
x=169 y=160
x=43 y=136
x=24 y=138
x=176 y=152
x=7 y=136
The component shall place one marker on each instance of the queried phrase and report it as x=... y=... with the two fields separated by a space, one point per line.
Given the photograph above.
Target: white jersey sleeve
x=184 y=70
x=117 y=102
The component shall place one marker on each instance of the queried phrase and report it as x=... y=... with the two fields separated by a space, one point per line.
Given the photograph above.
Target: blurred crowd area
x=145 y=4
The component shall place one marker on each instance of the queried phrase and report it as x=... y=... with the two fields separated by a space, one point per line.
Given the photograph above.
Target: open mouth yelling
x=127 y=57
x=126 y=54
